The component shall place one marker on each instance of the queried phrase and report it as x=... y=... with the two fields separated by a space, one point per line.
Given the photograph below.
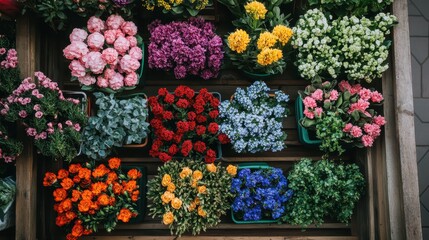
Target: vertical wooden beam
x=26 y=171
x=405 y=135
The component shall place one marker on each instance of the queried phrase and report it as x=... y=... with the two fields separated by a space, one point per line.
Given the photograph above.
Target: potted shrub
x=90 y=195
x=323 y=189
x=261 y=193
x=343 y=116
x=118 y=122
x=348 y=47
x=107 y=55
x=55 y=122
x=258 y=45
x=7 y=198
x=253 y=119
x=185 y=124
x=190 y=196
x=185 y=47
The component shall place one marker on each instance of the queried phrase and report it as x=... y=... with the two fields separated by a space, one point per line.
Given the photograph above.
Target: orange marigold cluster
x=82 y=192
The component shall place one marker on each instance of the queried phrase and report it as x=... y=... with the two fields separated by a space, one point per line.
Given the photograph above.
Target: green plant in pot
x=118 y=122
x=7 y=197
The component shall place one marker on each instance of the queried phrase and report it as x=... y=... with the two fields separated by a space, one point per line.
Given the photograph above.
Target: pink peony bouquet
x=106 y=55
x=52 y=120
x=342 y=113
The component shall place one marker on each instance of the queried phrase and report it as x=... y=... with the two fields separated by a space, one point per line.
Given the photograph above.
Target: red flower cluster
x=84 y=195
x=185 y=124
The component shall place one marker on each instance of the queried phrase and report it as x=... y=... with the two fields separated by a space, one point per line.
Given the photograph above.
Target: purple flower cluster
x=189 y=47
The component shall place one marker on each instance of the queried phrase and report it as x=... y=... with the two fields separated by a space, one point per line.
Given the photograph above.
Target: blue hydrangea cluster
x=260 y=194
x=253 y=119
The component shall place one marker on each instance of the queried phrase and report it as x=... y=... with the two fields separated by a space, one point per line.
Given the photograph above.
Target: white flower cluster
x=350 y=46
x=253 y=119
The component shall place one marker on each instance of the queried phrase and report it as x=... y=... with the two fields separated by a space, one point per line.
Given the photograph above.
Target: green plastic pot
x=257 y=76
x=303 y=134
x=141 y=203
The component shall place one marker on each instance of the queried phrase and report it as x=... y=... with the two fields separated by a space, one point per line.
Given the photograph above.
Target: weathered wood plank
x=223 y=238
x=26 y=168
x=404 y=116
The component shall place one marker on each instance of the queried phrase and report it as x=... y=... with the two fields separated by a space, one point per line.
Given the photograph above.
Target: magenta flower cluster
x=11 y=59
x=107 y=54
x=186 y=47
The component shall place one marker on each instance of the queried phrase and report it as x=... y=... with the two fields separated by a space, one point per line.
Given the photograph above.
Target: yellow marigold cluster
x=256 y=9
x=238 y=41
x=283 y=33
x=268 y=56
x=266 y=40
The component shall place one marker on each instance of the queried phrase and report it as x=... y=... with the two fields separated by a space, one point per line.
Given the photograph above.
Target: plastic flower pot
x=141 y=203
x=257 y=76
x=305 y=137
x=86 y=105
x=256 y=166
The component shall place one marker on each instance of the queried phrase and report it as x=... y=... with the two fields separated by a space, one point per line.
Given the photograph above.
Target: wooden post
x=408 y=225
x=26 y=167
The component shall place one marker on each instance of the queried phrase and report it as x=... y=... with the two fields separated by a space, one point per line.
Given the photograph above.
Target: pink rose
x=75 y=50
x=132 y=40
x=87 y=80
x=309 y=102
x=22 y=114
x=376 y=97
x=129 y=28
x=31 y=132
x=131 y=79
x=356 y=131
x=116 y=82
x=129 y=64
x=36 y=107
x=95 y=62
x=77 y=127
x=110 y=36
x=379 y=120
x=121 y=45
x=361 y=105
x=344 y=86
x=102 y=82
x=114 y=21
x=2 y=51
x=318 y=111
x=38 y=114
x=109 y=73
x=347 y=127
x=110 y=55
x=333 y=95
x=372 y=130
x=367 y=141
x=365 y=94
x=95 y=24
x=308 y=114
x=317 y=95
x=69 y=123
x=136 y=53
x=355 y=89
x=95 y=40
x=78 y=35
x=77 y=69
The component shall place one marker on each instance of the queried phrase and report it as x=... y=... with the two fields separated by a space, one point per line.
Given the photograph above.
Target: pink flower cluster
x=11 y=59
x=106 y=55
x=364 y=130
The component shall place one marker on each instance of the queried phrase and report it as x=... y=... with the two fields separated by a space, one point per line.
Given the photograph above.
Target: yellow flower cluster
x=168 y=218
x=266 y=40
x=232 y=170
x=283 y=34
x=268 y=56
x=256 y=9
x=238 y=41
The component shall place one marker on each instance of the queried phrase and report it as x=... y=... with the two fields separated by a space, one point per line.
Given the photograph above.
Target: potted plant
x=253 y=119
x=90 y=195
x=351 y=8
x=190 y=195
x=186 y=124
x=7 y=198
x=118 y=122
x=186 y=47
x=9 y=71
x=348 y=47
x=55 y=122
x=258 y=45
x=342 y=116
x=323 y=189
x=185 y=7
x=107 y=55
x=261 y=193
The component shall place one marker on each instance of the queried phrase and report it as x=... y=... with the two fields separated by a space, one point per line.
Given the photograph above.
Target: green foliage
x=10 y=148
x=118 y=122
x=351 y=7
x=9 y=77
x=323 y=189
x=7 y=194
x=188 y=218
x=330 y=130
